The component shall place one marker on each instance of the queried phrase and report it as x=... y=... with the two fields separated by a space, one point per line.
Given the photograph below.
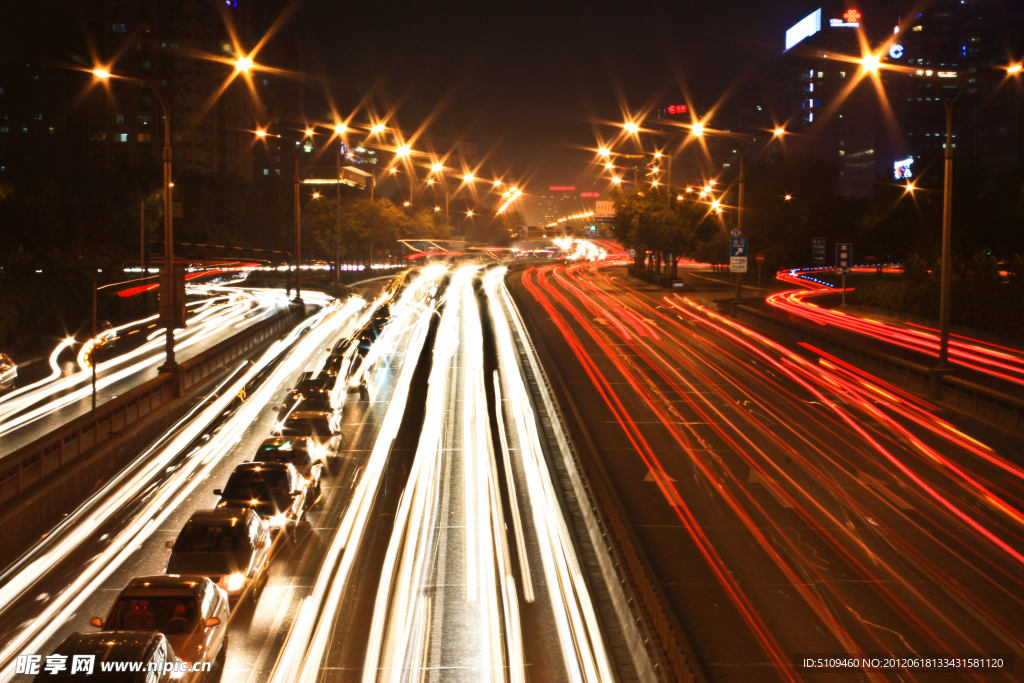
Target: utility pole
x=298 y=233
x=337 y=222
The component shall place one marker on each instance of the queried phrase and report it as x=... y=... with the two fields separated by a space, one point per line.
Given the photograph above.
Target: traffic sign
x=735 y=232
x=759 y=258
x=818 y=249
x=844 y=258
x=738 y=254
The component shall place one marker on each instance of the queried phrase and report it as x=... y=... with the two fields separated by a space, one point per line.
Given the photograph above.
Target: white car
x=8 y=372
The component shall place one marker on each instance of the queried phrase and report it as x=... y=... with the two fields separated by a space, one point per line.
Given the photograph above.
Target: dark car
x=275 y=490
x=8 y=372
x=88 y=654
x=320 y=425
x=308 y=399
x=230 y=546
x=303 y=452
x=189 y=610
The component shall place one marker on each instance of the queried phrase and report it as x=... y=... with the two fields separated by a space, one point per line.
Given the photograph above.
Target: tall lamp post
x=240 y=65
x=872 y=64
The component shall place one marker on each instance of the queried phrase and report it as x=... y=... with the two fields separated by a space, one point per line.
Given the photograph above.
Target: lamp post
x=872 y=64
x=240 y=65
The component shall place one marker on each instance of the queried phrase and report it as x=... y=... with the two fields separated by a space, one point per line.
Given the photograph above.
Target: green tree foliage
x=364 y=225
x=664 y=225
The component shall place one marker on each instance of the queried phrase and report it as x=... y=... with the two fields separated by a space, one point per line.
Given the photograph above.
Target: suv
x=112 y=650
x=190 y=610
x=230 y=546
x=308 y=399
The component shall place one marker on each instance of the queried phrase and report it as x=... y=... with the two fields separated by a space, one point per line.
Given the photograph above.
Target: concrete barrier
x=48 y=478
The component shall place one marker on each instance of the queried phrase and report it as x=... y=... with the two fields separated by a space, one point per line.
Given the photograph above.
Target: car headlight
x=278 y=521
x=235 y=582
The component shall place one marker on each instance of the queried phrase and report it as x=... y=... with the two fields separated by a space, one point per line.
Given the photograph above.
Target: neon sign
x=805 y=28
x=562 y=188
x=896 y=51
x=590 y=194
x=901 y=169
x=851 y=19
x=676 y=109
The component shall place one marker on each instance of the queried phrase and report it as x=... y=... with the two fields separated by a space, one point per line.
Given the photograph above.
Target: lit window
x=38 y=117
x=118 y=119
x=121 y=137
x=5 y=129
x=842 y=74
x=145 y=120
x=266 y=171
x=143 y=137
x=821 y=74
x=119 y=28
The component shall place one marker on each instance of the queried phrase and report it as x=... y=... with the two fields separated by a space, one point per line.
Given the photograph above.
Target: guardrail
x=987 y=404
x=34 y=462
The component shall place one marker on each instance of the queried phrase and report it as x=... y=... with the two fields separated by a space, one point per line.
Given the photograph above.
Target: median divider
x=48 y=478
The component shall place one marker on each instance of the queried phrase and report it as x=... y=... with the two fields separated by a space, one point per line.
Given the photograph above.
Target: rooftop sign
x=805 y=28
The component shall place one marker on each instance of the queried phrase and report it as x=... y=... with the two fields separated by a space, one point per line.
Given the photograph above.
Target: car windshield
x=310 y=400
x=300 y=426
x=221 y=537
x=164 y=614
x=263 y=486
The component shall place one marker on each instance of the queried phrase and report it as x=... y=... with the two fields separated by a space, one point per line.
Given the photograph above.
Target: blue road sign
x=844 y=258
x=818 y=249
x=738 y=247
x=737 y=254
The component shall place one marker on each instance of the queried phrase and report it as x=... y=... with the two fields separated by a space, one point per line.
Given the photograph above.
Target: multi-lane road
x=786 y=502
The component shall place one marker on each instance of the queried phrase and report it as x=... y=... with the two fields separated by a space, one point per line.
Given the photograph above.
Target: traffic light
x=593 y=228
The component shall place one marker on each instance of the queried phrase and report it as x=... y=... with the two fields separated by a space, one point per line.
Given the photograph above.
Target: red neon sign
x=590 y=194
x=676 y=109
x=562 y=188
x=852 y=16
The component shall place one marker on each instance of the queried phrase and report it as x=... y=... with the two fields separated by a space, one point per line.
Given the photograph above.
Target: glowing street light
x=437 y=168
x=340 y=128
x=657 y=155
x=261 y=133
x=779 y=131
x=616 y=179
x=1014 y=69
x=631 y=127
x=609 y=165
x=604 y=152
x=394 y=170
x=468 y=178
x=243 y=64
x=316 y=195
x=102 y=74
x=870 y=62
x=309 y=131
x=698 y=129
x=497 y=183
x=405 y=203
x=403 y=151
x=377 y=128
x=789 y=197
x=654 y=183
x=469 y=214
x=437 y=208
x=430 y=181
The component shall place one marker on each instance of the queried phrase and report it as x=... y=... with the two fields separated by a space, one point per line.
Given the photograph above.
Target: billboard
x=901 y=169
x=805 y=28
x=604 y=209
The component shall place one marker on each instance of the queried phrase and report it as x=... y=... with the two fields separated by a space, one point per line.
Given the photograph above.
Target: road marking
x=770 y=486
x=879 y=485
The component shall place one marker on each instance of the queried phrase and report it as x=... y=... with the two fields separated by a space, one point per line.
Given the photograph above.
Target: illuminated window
x=821 y=74
x=119 y=28
x=145 y=120
x=266 y=171
x=119 y=119
x=918 y=28
x=121 y=137
x=143 y=137
x=842 y=74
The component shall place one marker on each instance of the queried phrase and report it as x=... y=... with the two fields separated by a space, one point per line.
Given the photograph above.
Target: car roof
x=162 y=584
x=285 y=443
x=259 y=466
x=309 y=414
x=219 y=515
x=110 y=645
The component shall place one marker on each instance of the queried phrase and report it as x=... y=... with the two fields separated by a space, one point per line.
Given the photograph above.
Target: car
x=320 y=425
x=274 y=490
x=118 y=650
x=191 y=611
x=308 y=399
x=230 y=546
x=301 y=451
x=308 y=381
x=8 y=372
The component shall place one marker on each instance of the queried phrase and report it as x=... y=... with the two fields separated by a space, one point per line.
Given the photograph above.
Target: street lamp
x=872 y=64
x=241 y=65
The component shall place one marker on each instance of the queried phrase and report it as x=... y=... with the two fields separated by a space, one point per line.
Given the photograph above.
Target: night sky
x=529 y=82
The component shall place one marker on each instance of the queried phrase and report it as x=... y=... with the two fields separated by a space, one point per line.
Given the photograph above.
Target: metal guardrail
x=966 y=397
x=42 y=458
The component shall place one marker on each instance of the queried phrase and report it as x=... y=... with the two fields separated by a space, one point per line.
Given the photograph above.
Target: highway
x=440 y=549
x=788 y=503
x=215 y=313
